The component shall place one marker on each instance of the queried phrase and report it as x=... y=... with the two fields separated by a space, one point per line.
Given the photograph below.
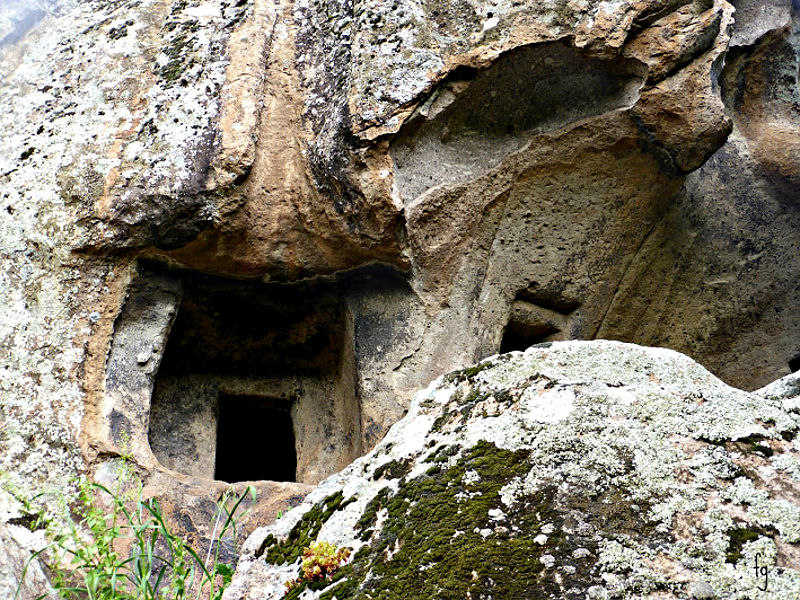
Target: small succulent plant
x=320 y=561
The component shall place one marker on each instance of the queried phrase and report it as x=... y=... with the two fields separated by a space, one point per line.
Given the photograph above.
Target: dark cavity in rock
x=255 y=439
x=256 y=382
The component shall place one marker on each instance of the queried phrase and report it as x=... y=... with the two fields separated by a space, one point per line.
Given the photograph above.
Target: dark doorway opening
x=255 y=439
x=537 y=316
x=794 y=364
x=520 y=336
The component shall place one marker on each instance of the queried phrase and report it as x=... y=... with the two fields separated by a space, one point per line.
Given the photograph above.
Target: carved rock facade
x=309 y=209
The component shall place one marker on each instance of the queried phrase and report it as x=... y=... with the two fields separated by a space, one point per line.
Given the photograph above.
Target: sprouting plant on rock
x=320 y=561
x=121 y=547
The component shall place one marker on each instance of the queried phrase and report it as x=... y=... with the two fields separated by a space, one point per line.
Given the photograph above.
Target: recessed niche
x=521 y=334
x=794 y=364
x=474 y=119
x=186 y=347
x=536 y=316
x=257 y=382
x=255 y=439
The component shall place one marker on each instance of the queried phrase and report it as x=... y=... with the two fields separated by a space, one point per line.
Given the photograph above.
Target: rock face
x=18 y=539
x=578 y=470
x=725 y=240
x=217 y=213
x=14 y=559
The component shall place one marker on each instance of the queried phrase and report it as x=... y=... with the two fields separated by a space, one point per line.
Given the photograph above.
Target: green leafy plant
x=117 y=545
x=216 y=573
x=320 y=561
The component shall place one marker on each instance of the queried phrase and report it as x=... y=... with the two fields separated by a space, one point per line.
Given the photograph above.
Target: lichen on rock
x=578 y=470
x=521 y=171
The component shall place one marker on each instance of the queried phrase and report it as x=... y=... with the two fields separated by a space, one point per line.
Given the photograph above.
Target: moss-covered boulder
x=573 y=470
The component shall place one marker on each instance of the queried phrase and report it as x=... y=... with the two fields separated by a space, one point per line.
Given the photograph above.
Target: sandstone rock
x=516 y=170
x=726 y=246
x=675 y=40
x=114 y=141
x=512 y=195
x=123 y=118
x=754 y=18
x=582 y=469
x=14 y=560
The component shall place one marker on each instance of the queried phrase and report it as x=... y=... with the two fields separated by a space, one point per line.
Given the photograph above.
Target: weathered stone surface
x=511 y=194
x=125 y=115
x=582 y=469
x=717 y=276
x=754 y=18
x=290 y=219
x=18 y=540
x=110 y=140
x=14 y=559
x=525 y=170
x=675 y=40
x=19 y=16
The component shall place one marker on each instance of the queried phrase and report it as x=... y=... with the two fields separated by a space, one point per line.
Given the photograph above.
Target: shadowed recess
x=466 y=128
x=256 y=382
x=255 y=439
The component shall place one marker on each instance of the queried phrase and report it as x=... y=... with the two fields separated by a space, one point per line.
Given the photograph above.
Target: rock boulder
x=578 y=470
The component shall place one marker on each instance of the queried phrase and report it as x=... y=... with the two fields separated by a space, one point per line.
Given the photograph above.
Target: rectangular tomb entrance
x=257 y=382
x=255 y=426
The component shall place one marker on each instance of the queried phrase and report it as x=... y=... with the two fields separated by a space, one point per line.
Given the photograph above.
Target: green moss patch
x=739 y=536
x=370 y=514
x=446 y=533
x=303 y=533
x=394 y=469
x=439 y=540
x=753 y=444
x=467 y=374
x=175 y=66
x=466 y=406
